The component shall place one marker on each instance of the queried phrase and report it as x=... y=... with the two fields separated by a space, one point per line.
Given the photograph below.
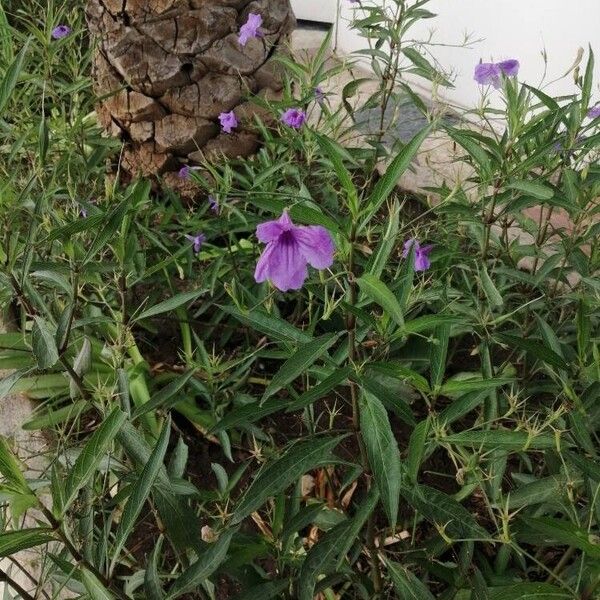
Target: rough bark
x=165 y=69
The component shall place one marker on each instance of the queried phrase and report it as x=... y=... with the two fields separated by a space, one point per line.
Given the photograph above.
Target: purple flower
x=422 y=262
x=290 y=248
x=228 y=121
x=294 y=117
x=250 y=29
x=213 y=204
x=594 y=112
x=509 y=67
x=198 y=240
x=83 y=213
x=60 y=31
x=490 y=73
x=319 y=95
x=185 y=172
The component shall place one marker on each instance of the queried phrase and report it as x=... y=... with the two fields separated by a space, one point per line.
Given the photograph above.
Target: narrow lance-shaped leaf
x=299 y=362
x=280 y=473
x=94 y=587
x=11 y=77
x=270 y=325
x=166 y=397
x=10 y=468
x=92 y=454
x=170 y=304
x=140 y=491
x=12 y=542
x=385 y=186
x=43 y=344
x=376 y=290
x=152 y=584
x=406 y=584
x=203 y=568
x=329 y=552
x=382 y=452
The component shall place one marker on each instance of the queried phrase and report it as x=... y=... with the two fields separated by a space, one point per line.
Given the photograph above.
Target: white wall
x=510 y=29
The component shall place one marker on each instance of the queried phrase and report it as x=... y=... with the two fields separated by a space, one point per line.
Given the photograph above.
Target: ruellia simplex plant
x=308 y=384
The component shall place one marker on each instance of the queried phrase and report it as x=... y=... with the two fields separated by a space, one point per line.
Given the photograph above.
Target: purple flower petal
x=250 y=29
x=184 y=172
x=316 y=246
x=60 y=31
x=594 y=112
x=197 y=241
x=487 y=74
x=422 y=262
x=421 y=254
x=213 y=204
x=294 y=117
x=408 y=245
x=283 y=264
x=290 y=248
x=228 y=121
x=510 y=67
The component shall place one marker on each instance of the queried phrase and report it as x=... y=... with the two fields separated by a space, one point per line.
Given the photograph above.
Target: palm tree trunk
x=165 y=69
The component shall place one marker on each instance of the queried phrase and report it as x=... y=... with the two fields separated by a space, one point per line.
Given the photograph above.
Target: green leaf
x=321 y=389
x=204 y=567
x=443 y=511
x=382 y=452
x=249 y=413
x=43 y=344
x=299 y=362
x=107 y=228
x=380 y=257
x=390 y=399
x=52 y=418
x=329 y=552
x=386 y=185
x=12 y=542
x=140 y=490
x=166 y=397
x=283 y=471
x=152 y=584
x=504 y=440
x=270 y=325
x=453 y=387
x=537 y=492
x=377 y=291
x=168 y=305
x=534 y=349
x=491 y=291
x=438 y=354
x=531 y=188
x=399 y=371
x=334 y=153
x=180 y=521
x=11 y=77
x=11 y=469
x=461 y=406
x=552 y=531
x=406 y=584
x=94 y=587
x=416 y=449
x=528 y=591
x=92 y=454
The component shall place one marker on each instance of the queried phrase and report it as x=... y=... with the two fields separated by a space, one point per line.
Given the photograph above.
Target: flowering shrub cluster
x=308 y=383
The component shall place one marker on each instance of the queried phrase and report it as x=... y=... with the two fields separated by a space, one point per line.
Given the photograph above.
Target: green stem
x=352 y=357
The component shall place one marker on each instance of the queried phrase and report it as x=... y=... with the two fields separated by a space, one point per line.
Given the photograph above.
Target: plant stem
x=6 y=578
x=352 y=357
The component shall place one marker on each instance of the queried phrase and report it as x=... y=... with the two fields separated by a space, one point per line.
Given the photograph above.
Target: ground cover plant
x=305 y=383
